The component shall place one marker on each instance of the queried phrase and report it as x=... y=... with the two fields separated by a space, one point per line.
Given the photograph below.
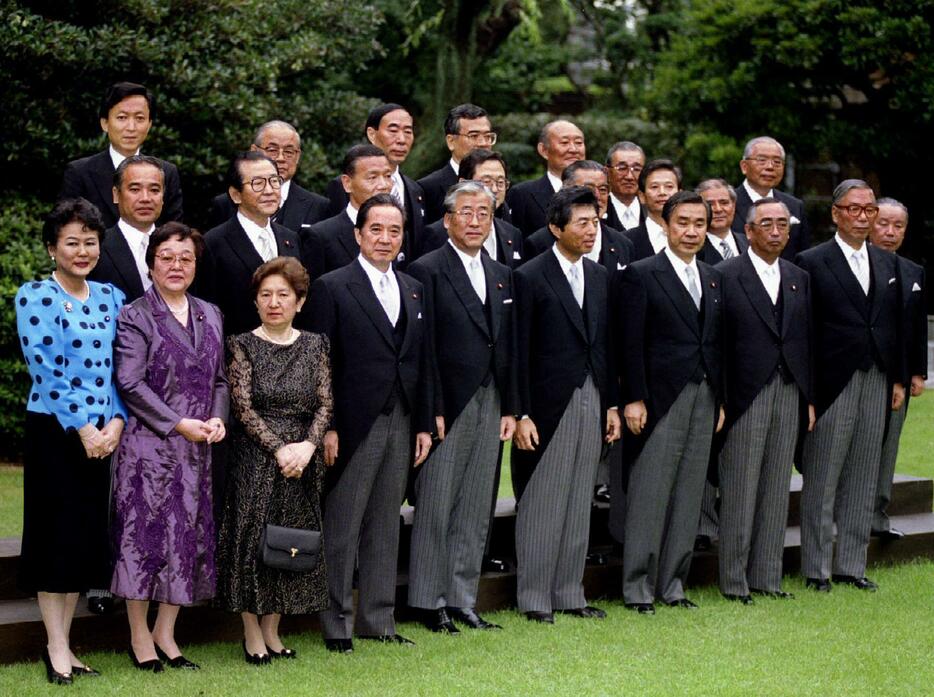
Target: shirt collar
x=351 y=213
x=847 y=249
x=253 y=231
x=753 y=194
x=680 y=266
x=116 y=157
x=373 y=273
x=656 y=232
x=465 y=258
x=555 y=181
x=761 y=265
x=284 y=191
x=455 y=166
x=717 y=241
x=132 y=234
x=620 y=206
x=566 y=263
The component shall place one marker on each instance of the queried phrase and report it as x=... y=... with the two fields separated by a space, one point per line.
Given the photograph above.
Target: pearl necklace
x=267 y=337
x=87 y=289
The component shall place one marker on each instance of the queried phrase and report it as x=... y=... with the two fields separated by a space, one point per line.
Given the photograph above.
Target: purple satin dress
x=163 y=526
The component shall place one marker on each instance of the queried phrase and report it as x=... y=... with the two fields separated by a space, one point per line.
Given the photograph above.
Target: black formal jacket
x=116 y=265
x=470 y=341
x=612 y=219
x=226 y=269
x=753 y=343
x=365 y=364
x=328 y=245
x=509 y=244
x=851 y=329
x=799 y=236
x=711 y=255
x=93 y=178
x=435 y=186
x=915 y=318
x=616 y=250
x=301 y=210
x=641 y=246
x=558 y=346
x=528 y=202
x=414 y=216
x=664 y=342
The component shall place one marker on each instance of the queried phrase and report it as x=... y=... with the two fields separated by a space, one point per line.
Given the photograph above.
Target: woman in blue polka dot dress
x=74 y=420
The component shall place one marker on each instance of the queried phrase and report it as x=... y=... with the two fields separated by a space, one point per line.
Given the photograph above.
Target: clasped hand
x=101 y=442
x=293 y=458
x=198 y=431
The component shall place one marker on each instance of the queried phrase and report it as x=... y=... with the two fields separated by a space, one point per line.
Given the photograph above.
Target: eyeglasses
x=622 y=168
x=474 y=137
x=467 y=214
x=494 y=184
x=768 y=225
x=258 y=184
x=762 y=160
x=184 y=260
x=288 y=152
x=853 y=210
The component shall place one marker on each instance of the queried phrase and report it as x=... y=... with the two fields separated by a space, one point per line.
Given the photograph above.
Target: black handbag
x=289 y=549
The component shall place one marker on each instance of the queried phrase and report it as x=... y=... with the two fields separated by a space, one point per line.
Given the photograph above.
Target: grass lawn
x=848 y=642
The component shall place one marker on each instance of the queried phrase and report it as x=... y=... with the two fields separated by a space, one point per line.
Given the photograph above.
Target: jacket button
x=489 y=345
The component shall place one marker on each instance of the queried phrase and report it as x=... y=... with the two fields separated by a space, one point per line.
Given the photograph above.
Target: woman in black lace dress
x=280 y=403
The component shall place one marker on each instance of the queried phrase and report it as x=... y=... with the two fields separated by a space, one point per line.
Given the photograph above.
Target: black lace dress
x=278 y=394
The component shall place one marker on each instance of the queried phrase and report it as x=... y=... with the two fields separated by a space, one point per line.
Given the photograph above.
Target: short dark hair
x=680 y=198
x=289 y=268
x=137 y=160
x=234 y=178
x=475 y=158
x=656 y=165
x=373 y=202
x=452 y=123
x=559 y=210
x=375 y=117
x=119 y=91
x=846 y=186
x=164 y=233
x=575 y=167
x=71 y=210
x=358 y=152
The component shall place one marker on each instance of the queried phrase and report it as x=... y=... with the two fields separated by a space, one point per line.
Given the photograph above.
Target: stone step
x=22 y=635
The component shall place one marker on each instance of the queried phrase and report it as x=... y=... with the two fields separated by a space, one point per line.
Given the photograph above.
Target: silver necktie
x=577 y=285
x=692 y=286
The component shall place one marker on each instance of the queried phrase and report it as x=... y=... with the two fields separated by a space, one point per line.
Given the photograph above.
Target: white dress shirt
x=117 y=158
x=681 y=269
x=769 y=274
x=566 y=266
x=262 y=237
x=858 y=259
x=351 y=213
x=657 y=236
x=489 y=244
x=284 y=192
x=388 y=298
x=718 y=243
x=398 y=187
x=628 y=215
x=753 y=194
x=456 y=166
x=138 y=243
x=555 y=181
x=474 y=268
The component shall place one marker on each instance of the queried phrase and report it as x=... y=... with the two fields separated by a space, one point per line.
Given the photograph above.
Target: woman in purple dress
x=169 y=370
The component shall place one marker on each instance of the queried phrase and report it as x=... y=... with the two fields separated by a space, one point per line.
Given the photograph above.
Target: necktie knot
x=726 y=250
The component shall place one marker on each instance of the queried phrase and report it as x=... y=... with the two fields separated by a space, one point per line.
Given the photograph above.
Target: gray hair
x=756 y=205
x=888 y=201
x=572 y=169
x=623 y=146
x=761 y=140
x=709 y=184
x=275 y=123
x=846 y=186
x=466 y=187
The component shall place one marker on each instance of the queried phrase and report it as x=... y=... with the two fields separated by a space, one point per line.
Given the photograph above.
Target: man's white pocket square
x=419 y=315
x=793 y=221
x=916 y=288
x=516 y=255
x=892 y=280
x=620 y=267
x=306 y=224
x=507 y=301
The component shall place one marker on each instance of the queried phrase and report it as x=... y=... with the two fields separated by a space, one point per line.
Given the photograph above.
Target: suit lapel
x=241 y=246
x=755 y=291
x=362 y=291
x=503 y=244
x=609 y=255
x=559 y=284
x=840 y=268
x=592 y=300
x=197 y=319
x=162 y=316
x=346 y=237
x=543 y=193
x=742 y=244
x=409 y=298
x=457 y=277
x=284 y=245
x=790 y=295
x=103 y=180
x=668 y=279
x=123 y=262
x=880 y=279
x=494 y=296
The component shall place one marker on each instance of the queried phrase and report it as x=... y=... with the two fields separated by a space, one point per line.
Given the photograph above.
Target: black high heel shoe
x=86 y=671
x=53 y=675
x=255 y=659
x=178 y=662
x=154 y=665
x=284 y=653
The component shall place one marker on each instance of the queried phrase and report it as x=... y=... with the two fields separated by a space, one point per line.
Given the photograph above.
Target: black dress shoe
x=744 y=599
x=339 y=645
x=588 y=612
x=889 y=535
x=468 y=616
x=255 y=659
x=596 y=559
x=703 y=543
x=821 y=585
x=782 y=595
x=601 y=494
x=862 y=583
x=178 y=662
x=389 y=639
x=154 y=665
x=492 y=565
x=53 y=675
x=682 y=602
x=438 y=621
x=641 y=608
x=101 y=605
x=542 y=617
x=86 y=671
x=284 y=653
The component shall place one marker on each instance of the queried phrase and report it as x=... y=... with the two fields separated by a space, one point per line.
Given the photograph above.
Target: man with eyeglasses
x=560 y=143
x=126 y=113
x=859 y=370
x=624 y=163
x=466 y=128
x=763 y=165
x=390 y=128
x=768 y=401
x=888 y=233
x=470 y=301
x=298 y=208
x=236 y=248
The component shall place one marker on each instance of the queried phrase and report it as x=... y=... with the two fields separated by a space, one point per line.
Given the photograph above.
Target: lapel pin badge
x=200 y=317
x=288 y=243
x=713 y=284
x=68 y=306
x=509 y=242
x=499 y=286
x=794 y=286
x=414 y=296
